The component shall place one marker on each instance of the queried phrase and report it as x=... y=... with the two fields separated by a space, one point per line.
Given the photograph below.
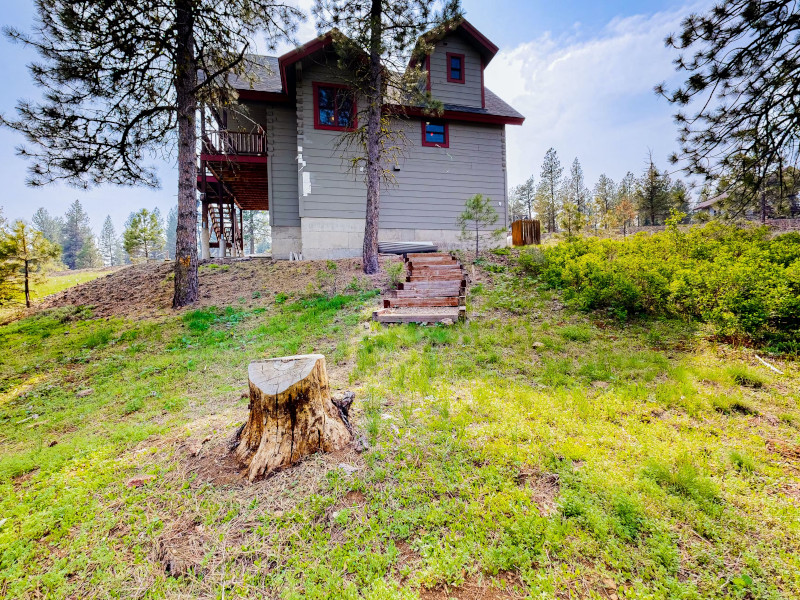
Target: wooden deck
x=433 y=292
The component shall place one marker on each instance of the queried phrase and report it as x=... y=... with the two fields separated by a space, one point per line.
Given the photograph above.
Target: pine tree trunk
x=291 y=415
x=27 y=288
x=186 y=280
x=375 y=99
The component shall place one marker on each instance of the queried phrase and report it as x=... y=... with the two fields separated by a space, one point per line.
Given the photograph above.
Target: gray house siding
x=431 y=185
x=336 y=190
x=282 y=151
x=464 y=94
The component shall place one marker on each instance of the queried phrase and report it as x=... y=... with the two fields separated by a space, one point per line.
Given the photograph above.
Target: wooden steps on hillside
x=434 y=291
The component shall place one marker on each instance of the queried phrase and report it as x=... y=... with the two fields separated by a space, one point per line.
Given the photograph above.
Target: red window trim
x=463 y=68
x=428 y=144
x=317 y=124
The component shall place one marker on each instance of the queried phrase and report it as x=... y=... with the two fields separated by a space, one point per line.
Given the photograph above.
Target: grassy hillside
x=52 y=284
x=535 y=451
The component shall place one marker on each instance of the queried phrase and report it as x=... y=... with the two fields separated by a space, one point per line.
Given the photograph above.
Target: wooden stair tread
x=434 y=291
x=429 y=302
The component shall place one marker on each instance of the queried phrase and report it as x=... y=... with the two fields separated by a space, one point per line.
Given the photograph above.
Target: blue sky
x=581 y=71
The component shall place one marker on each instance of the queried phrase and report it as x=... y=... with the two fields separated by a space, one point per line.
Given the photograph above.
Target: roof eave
x=457 y=115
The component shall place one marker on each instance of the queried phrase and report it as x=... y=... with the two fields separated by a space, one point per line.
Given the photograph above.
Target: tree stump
x=291 y=414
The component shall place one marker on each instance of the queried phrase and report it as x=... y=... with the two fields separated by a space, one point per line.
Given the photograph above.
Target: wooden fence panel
x=526 y=232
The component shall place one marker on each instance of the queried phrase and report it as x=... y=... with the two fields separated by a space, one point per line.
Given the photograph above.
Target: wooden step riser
x=429 y=284
x=423 y=278
x=428 y=255
x=417 y=302
x=421 y=262
x=436 y=293
x=436 y=269
x=419 y=317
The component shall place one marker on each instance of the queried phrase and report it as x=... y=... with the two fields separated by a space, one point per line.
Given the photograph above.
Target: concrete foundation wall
x=324 y=238
x=286 y=240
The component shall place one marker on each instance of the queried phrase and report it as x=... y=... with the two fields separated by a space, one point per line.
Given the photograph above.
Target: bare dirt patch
x=145 y=290
x=180 y=547
x=544 y=489
x=785 y=449
x=506 y=586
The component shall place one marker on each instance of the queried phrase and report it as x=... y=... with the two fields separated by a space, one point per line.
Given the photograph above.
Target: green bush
x=741 y=281
x=396 y=272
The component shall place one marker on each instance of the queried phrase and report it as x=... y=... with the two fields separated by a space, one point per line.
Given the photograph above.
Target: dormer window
x=455 y=68
x=334 y=107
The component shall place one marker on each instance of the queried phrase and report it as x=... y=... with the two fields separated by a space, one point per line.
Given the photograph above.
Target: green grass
x=57 y=283
x=532 y=445
x=52 y=284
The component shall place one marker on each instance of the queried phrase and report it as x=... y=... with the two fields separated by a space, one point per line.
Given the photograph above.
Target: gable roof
x=264 y=75
x=269 y=76
x=480 y=42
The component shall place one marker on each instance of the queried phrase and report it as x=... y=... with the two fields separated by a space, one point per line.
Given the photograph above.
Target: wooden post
x=221 y=234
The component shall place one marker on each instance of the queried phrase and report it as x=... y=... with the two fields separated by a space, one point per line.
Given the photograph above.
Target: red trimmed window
x=456 y=65
x=436 y=134
x=334 y=107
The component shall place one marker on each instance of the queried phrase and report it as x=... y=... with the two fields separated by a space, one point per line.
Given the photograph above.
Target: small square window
x=435 y=133
x=455 y=68
x=334 y=107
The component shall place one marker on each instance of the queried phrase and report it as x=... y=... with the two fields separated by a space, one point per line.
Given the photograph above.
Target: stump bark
x=291 y=414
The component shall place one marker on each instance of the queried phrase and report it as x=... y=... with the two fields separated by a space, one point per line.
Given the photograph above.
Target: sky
x=581 y=71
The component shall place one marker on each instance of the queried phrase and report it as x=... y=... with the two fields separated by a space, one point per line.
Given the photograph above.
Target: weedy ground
x=531 y=452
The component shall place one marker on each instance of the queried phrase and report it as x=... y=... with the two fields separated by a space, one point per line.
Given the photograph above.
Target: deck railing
x=235 y=142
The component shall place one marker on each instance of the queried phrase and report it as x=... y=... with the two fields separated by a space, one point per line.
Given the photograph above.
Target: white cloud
x=591 y=98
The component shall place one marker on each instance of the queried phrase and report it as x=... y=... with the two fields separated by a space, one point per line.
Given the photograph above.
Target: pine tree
x=524 y=197
x=680 y=199
x=171 y=232
x=624 y=213
x=605 y=199
x=51 y=227
x=159 y=250
x=377 y=39
x=79 y=247
x=652 y=194
x=571 y=219
x=257 y=230
x=547 y=192
x=124 y=80
x=575 y=190
x=24 y=255
x=742 y=65
x=478 y=216
x=110 y=247
x=143 y=234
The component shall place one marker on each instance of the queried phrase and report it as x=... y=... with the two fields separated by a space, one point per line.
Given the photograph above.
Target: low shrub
x=741 y=281
x=396 y=272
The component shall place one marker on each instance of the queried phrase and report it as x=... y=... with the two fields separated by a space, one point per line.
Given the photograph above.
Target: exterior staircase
x=225 y=222
x=434 y=291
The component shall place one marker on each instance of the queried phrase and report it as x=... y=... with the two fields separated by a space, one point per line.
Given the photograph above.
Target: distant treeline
x=564 y=202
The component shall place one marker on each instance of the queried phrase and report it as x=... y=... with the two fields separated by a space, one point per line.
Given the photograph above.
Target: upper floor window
x=455 y=68
x=435 y=133
x=334 y=107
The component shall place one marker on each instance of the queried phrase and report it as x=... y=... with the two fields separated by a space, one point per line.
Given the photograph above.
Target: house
x=710 y=206
x=279 y=149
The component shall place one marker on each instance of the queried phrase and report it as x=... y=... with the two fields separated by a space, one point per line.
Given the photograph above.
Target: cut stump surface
x=291 y=414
